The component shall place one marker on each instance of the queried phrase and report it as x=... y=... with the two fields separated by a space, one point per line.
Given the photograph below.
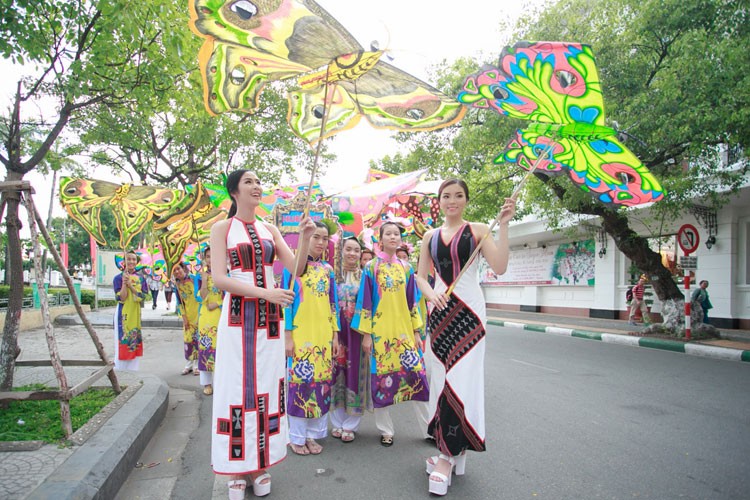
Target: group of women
x=199 y=304
x=353 y=340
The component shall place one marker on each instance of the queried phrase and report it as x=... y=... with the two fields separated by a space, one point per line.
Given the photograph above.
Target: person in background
x=168 y=291
x=388 y=317
x=366 y=256
x=639 y=303
x=186 y=296
x=312 y=343
x=700 y=297
x=351 y=369
x=154 y=285
x=210 y=299
x=403 y=253
x=130 y=291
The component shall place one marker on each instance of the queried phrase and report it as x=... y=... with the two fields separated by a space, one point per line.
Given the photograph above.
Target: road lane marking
x=535 y=366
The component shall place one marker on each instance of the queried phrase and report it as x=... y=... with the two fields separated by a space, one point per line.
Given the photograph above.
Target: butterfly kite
x=132 y=206
x=556 y=85
x=249 y=43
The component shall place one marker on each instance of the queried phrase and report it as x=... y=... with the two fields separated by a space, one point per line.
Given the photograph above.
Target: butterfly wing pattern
x=556 y=85
x=249 y=43
x=132 y=206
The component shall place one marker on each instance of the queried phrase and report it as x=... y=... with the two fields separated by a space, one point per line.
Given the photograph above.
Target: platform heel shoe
x=459 y=464
x=438 y=482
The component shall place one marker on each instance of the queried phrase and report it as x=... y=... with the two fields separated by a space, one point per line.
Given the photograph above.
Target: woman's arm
x=497 y=251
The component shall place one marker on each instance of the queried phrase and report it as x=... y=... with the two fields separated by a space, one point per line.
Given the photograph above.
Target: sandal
x=299 y=449
x=458 y=464
x=186 y=371
x=239 y=492
x=347 y=436
x=208 y=390
x=196 y=372
x=261 y=489
x=315 y=449
x=337 y=432
x=386 y=441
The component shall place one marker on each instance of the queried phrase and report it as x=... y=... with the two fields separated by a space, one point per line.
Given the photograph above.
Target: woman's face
x=352 y=252
x=249 y=190
x=365 y=258
x=453 y=200
x=207 y=260
x=131 y=260
x=391 y=238
x=179 y=273
x=318 y=242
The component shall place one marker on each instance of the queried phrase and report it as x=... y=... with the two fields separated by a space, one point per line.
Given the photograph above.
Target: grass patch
x=41 y=419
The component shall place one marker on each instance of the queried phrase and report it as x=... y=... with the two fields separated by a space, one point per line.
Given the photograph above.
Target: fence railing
x=55 y=299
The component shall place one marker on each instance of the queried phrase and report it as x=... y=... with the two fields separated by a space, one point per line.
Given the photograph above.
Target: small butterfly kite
x=556 y=85
x=249 y=43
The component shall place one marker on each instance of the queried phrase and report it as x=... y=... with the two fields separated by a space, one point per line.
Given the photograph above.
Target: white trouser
x=301 y=429
x=191 y=364
x=384 y=423
x=206 y=378
x=342 y=420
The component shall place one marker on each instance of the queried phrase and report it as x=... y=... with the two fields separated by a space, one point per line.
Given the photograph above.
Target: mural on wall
x=567 y=264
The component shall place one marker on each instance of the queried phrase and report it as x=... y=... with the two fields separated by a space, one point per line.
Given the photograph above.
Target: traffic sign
x=688 y=239
x=689 y=263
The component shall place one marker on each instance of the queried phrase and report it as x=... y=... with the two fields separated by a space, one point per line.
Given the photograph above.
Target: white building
x=586 y=275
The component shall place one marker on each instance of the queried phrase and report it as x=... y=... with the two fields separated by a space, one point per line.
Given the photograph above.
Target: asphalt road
x=566 y=419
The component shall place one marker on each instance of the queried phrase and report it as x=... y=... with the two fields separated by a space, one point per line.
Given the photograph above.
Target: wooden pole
x=515 y=194
x=49 y=332
x=316 y=161
x=79 y=309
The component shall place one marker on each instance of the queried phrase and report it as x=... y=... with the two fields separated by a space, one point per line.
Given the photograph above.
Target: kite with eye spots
x=249 y=43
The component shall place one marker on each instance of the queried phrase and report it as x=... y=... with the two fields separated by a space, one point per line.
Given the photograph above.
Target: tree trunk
x=9 y=350
x=636 y=248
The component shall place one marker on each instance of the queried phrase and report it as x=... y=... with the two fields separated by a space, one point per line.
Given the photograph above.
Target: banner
x=64 y=254
x=569 y=264
x=92 y=245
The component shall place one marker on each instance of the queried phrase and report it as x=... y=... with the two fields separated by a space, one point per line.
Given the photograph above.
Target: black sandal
x=386 y=441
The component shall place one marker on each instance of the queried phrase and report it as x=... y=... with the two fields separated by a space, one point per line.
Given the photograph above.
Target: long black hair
x=232 y=184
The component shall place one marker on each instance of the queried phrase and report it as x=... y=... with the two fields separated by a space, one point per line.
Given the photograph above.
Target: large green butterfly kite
x=556 y=85
x=251 y=42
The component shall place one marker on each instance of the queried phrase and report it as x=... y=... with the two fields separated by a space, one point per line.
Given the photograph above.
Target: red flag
x=92 y=244
x=64 y=254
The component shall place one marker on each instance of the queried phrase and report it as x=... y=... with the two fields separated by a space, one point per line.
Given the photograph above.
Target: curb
x=68 y=320
x=98 y=468
x=706 y=351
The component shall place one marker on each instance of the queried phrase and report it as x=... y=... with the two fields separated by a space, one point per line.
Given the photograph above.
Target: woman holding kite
x=457 y=328
x=249 y=425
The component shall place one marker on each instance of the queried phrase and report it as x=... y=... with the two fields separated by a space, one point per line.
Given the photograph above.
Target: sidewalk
x=100 y=464
x=733 y=345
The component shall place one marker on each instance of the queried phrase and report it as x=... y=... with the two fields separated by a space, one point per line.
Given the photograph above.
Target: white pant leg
x=206 y=378
x=383 y=421
x=342 y=420
x=423 y=416
x=317 y=428
x=301 y=429
x=297 y=430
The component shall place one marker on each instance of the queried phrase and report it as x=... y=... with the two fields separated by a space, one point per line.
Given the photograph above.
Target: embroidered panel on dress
x=454 y=331
x=262 y=404
x=452 y=432
x=237 y=437
x=248 y=357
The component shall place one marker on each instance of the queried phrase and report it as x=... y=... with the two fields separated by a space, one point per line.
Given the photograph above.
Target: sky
x=418 y=34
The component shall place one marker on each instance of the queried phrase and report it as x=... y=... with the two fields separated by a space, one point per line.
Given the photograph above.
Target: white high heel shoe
x=459 y=464
x=439 y=482
x=261 y=489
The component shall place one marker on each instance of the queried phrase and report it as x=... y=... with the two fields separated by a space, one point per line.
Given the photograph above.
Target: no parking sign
x=688 y=239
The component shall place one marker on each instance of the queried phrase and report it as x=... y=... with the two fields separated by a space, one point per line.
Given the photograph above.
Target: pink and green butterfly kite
x=556 y=85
